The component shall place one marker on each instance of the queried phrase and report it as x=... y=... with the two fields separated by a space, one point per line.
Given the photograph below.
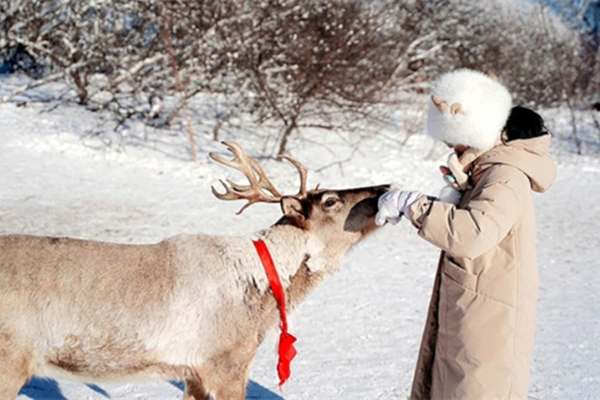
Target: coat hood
x=528 y=155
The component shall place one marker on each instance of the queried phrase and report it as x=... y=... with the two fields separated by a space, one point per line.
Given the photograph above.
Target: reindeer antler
x=302 y=171
x=260 y=188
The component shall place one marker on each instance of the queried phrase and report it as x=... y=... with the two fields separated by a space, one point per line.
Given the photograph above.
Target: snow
x=358 y=333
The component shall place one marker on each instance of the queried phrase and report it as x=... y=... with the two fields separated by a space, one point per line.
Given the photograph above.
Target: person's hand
x=393 y=204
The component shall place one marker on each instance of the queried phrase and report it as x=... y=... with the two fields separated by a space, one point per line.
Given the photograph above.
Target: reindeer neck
x=301 y=260
x=301 y=284
x=288 y=246
x=290 y=249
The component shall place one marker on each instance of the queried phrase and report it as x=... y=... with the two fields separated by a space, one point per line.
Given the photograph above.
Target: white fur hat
x=485 y=103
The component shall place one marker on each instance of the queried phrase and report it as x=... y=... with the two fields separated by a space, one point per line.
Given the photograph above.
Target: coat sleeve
x=485 y=220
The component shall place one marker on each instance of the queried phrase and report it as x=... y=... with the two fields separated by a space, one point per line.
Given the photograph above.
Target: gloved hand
x=393 y=204
x=450 y=194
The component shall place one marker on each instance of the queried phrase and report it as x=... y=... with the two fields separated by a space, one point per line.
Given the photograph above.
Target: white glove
x=393 y=204
x=449 y=194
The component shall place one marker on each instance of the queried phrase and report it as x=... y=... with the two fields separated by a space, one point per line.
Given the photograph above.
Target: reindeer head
x=335 y=216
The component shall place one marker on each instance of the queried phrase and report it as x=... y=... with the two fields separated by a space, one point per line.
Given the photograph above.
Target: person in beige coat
x=479 y=333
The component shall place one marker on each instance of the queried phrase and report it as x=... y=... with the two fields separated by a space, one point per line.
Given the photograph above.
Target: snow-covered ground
x=358 y=333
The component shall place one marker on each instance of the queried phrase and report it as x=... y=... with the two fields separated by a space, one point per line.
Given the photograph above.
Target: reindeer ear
x=292 y=208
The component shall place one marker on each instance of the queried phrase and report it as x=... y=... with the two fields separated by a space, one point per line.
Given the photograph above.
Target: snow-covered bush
x=291 y=63
x=528 y=48
x=318 y=63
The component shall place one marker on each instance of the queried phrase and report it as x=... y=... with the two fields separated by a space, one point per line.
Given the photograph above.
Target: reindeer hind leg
x=15 y=367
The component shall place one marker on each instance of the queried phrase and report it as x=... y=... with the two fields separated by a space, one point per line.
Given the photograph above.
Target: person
x=479 y=333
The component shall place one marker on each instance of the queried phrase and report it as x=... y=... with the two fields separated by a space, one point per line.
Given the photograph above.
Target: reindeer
x=192 y=307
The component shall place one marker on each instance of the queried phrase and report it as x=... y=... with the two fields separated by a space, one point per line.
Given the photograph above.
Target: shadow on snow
x=48 y=389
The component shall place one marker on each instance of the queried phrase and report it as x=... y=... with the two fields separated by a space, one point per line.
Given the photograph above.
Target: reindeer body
x=99 y=311
x=193 y=307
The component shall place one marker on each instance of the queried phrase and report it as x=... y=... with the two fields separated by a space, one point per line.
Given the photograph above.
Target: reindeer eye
x=330 y=202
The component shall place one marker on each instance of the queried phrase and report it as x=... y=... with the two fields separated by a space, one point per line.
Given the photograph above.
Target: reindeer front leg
x=195 y=389
x=235 y=389
x=229 y=372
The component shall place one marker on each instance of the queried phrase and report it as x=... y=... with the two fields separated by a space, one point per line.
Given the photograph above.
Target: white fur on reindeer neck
x=485 y=106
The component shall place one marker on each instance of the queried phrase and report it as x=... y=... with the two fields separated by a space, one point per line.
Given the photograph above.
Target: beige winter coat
x=480 y=327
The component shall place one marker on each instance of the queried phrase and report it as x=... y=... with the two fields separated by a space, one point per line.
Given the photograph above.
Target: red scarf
x=286 y=341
